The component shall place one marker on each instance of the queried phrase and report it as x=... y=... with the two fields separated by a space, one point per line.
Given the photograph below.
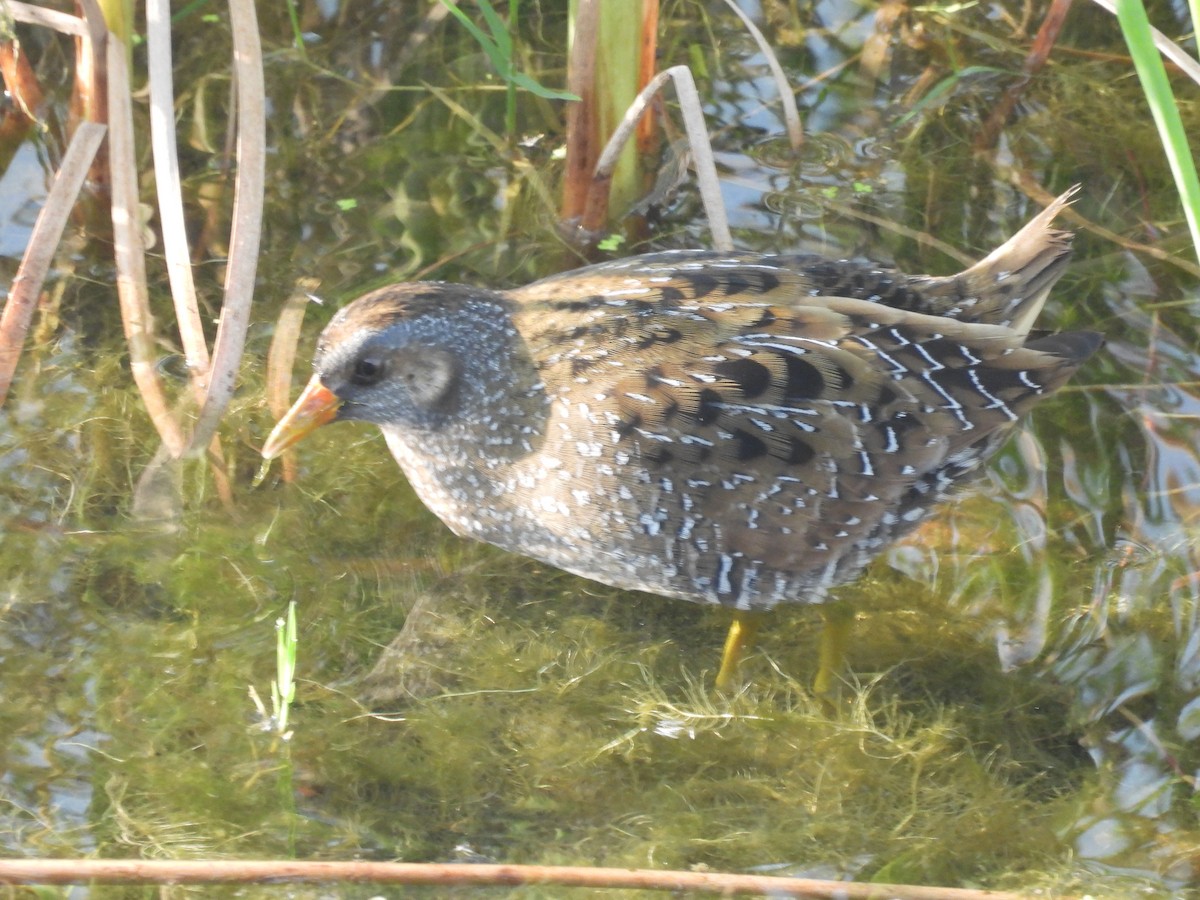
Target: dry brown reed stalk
x=82 y=152
x=19 y=80
x=702 y=156
x=171 y=219
x=130 y=255
x=48 y=18
x=604 y=71
x=647 y=136
x=89 y=101
x=581 y=137
x=81 y=871
x=281 y=357
x=103 y=91
x=27 y=286
x=169 y=194
x=213 y=379
x=86 y=32
x=247 y=221
x=791 y=115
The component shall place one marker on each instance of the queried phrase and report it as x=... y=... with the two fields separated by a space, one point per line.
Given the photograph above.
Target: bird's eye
x=367 y=370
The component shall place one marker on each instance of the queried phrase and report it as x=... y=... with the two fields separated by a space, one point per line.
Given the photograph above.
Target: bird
x=732 y=428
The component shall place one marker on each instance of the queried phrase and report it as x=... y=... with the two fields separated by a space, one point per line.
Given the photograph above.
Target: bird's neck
x=469 y=464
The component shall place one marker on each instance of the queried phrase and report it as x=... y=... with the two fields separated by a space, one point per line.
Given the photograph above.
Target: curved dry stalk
x=47 y=231
x=89 y=100
x=49 y=18
x=174 y=229
x=144 y=871
x=282 y=356
x=130 y=254
x=170 y=199
x=247 y=221
x=702 y=156
x=791 y=115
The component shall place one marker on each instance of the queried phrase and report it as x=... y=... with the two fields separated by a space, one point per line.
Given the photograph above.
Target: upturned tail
x=1009 y=286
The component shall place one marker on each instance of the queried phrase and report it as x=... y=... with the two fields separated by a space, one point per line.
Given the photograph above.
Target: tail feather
x=1014 y=280
x=1009 y=286
x=1073 y=347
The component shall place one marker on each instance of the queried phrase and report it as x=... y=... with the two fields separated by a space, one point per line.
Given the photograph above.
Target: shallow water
x=1023 y=701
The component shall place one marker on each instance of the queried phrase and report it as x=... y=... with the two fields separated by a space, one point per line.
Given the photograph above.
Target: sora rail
x=731 y=428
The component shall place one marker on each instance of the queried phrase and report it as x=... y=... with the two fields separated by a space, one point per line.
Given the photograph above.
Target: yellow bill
x=316 y=406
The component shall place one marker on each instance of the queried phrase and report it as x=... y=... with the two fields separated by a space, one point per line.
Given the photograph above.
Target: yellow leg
x=740 y=637
x=831 y=651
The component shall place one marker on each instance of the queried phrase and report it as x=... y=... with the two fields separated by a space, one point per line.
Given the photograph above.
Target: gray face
x=388 y=377
x=421 y=358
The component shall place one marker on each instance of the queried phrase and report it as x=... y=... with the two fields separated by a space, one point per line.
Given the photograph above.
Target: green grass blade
x=297 y=32
x=499 y=50
x=1136 y=27
x=488 y=45
x=499 y=32
x=283 y=690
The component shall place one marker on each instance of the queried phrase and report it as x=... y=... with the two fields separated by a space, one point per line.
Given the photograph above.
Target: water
x=1024 y=683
